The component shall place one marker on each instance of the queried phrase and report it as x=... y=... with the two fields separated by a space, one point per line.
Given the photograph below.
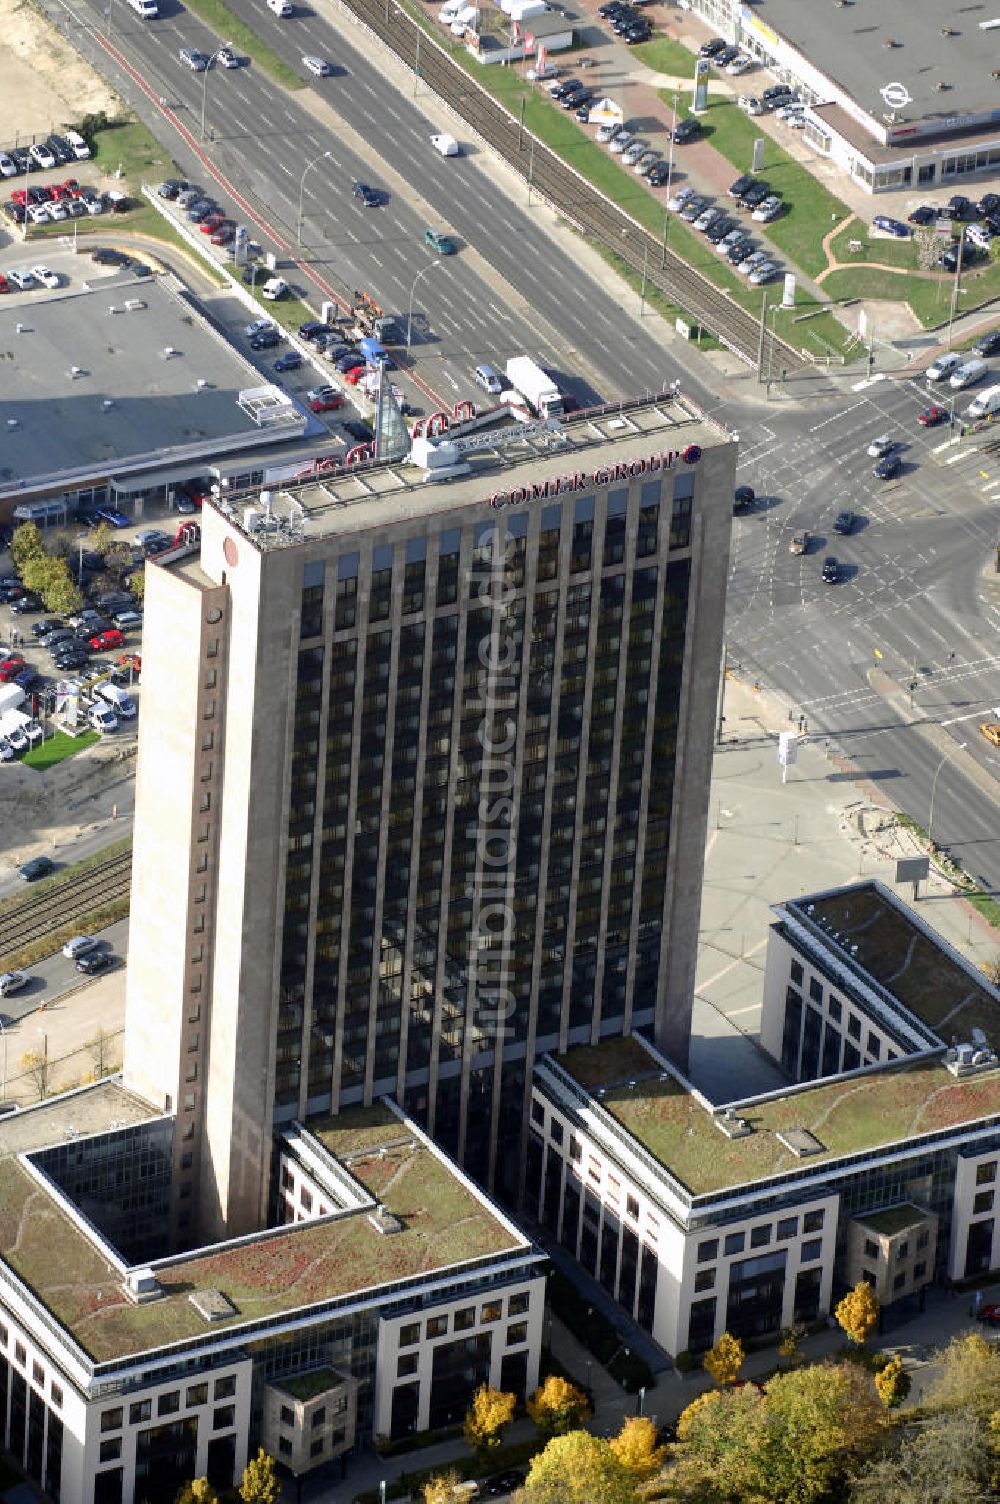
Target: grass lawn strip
x=664 y=55
x=229 y=28
x=810 y=208
x=57 y=748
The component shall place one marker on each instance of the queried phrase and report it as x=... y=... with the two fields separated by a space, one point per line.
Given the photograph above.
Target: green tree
x=636 y=1448
x=948 y=1461
x=489 y=1415
x=578 y=1468
x=137 y=584
x=858 y=1312
x=724 y=1361
x=27 y=543
x=558 y=1406
x=797 y=1443
x=102 y=539
x=893 y=1383
x=37 y=570
x=198 y=1491
x=260 y=1484
x=61 y=593
x=967 y=1376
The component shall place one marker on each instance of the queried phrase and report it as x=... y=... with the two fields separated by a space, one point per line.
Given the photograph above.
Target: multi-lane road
x=508 y=290
x=911 y=602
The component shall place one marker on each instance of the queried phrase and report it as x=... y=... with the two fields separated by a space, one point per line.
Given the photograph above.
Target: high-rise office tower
x=422 y=791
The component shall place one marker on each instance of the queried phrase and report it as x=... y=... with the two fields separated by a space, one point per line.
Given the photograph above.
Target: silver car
x=12 y=981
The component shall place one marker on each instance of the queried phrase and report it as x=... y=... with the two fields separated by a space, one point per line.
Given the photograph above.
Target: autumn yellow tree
x=578 y=1468
x=892 y=1383
x=557 y=1406
x=260 y=1483
x=797 y=1443
x=724 y=1361
x=198 y=1491
x=636 y=1448
x=489 y=1415
x=440 y=1489
x=858 y=1312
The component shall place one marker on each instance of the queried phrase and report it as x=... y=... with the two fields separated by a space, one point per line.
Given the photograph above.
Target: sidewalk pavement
x=825 y=826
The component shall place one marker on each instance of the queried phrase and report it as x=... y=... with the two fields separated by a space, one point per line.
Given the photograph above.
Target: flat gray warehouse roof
x=850 y=44
x=86 y=385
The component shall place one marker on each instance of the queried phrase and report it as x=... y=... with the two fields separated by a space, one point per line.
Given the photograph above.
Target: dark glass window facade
x=477 y=832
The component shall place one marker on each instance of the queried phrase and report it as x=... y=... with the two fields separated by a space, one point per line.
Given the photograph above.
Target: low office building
x=384 y=1288
x=903 y=96
x=879 y=1160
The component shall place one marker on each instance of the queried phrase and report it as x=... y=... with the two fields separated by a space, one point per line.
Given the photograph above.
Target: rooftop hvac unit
x=22 y=329
x=169 y=351
x=75 y=371
x=108 y=404
x=13 y=423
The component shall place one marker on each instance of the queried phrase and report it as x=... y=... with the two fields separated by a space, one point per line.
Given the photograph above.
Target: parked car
x=888 y=467
x=890 y=226
x=12 y=981
x=323 y=399
x=95 y=961
x=831 y=570
x=932 y=416
x=799 y=543
x=35 y=867
x=288 y=362
x=436 y=241
x=80 y=945
x=844 y=523
x=743 y=498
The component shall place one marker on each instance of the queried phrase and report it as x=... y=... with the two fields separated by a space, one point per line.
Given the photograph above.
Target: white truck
x=148 y=9
x=446 y=145
x=537 y=388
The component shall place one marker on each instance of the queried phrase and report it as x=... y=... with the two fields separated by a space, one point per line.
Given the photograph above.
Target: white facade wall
x=977 y=1200
x=683 y=1264
x=440 y=1319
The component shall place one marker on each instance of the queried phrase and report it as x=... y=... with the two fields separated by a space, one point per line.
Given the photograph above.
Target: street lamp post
x=302 y=189
x=930 y=816
x=956 y=283
x=204 y=83
x=409 y=311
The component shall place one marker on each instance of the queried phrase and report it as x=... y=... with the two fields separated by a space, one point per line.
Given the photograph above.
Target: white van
x=968 y=374
x=446 y=145
x=463 y=20
x=79 y=946
x=274 y=287
x=102 y=718
x=281 y=8
x=986 y=405
x=943 y=366
x=121 y=703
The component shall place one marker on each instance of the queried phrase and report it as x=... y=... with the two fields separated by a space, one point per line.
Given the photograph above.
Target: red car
x=4 y=285
x=10 y=668
x=71 y=188
x=933 y=416
x=324 y=399
x=129 y=660
x=19 y=196
x=112 y=638
x=211 y=223
x=354 y=375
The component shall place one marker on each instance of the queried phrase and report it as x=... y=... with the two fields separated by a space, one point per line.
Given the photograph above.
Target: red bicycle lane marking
x=248 y=210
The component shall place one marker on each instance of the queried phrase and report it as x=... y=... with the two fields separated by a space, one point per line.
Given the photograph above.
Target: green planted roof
x=846 y=1116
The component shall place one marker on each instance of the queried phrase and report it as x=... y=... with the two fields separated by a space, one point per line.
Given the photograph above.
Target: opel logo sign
x=896 y=96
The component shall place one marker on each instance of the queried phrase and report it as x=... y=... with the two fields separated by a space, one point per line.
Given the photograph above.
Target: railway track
x=47 y=912
x=570 y=194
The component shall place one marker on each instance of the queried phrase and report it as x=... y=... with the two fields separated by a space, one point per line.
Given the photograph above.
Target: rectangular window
x=56 y=1392
x=987 y=1173
x=169 y=1404
x=437 y=1326
x=708 y=1251
x=225 y=1388
x=923 y=1239
x=140 y=1412
x=813 y=1221
x=815 y=989
x=903 y=1251
x=982 y=1203
x=735 y=1242
x=409 y=1334
x=760 y=1236
x=871 y=1250
x=919 y=1270
x=38 y=1374
x=632 y=1207
x=284 y=1446
x=834 y=1008
x=811 y=1251
x=287 y=1415
x=316 y=1448
x=111 y=1420
x=704 y=1279
x=796 y=973
x=854 y=1026
x=465 y=1318
x=537 y=1111
x=899 y=1281
x=787 y=1228
x=196 y=1395
x=111 y=1450
x=224 y=1418
x=20 y=1353
x=491 y=1311
x=556 y=1131
x=517 y=1305
x=406 y=1364
x=517 y=1332
x=319 y=1418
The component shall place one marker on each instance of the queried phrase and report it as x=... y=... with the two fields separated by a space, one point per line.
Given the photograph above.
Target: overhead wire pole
x=670 y=174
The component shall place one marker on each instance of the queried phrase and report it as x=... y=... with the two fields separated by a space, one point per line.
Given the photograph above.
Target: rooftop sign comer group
x=583 y=480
